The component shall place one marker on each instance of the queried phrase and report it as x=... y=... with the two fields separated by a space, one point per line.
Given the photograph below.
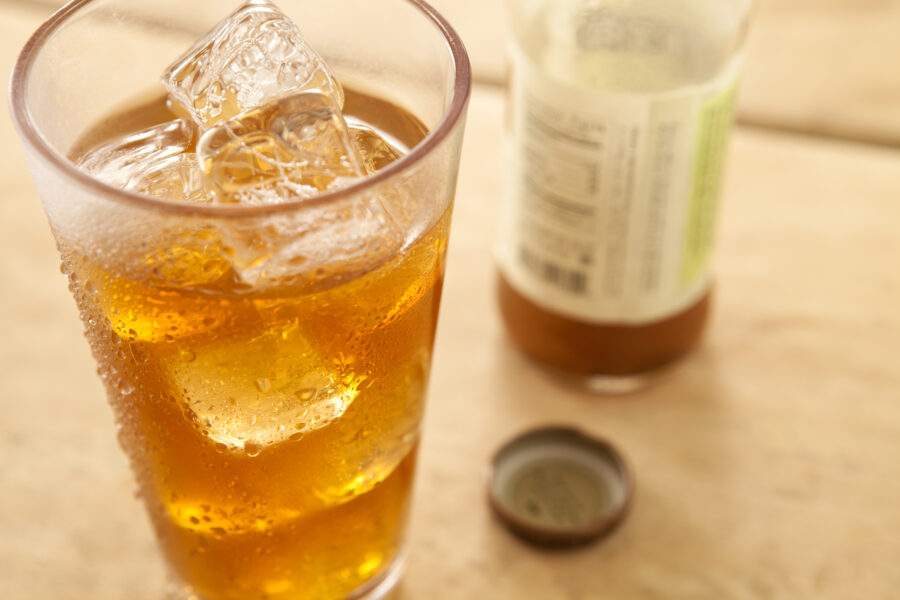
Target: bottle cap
x=557 y=486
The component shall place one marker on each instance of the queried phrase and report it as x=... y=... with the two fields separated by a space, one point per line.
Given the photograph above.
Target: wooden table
x=817 y=67
x=768 y=463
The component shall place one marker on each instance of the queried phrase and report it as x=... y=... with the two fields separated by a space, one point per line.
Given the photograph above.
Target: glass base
x=382 y=585
x=613 y=385
x=609 y=385
x=374 y=589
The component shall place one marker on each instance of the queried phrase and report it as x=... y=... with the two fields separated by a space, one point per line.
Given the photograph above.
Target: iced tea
x=272 y=429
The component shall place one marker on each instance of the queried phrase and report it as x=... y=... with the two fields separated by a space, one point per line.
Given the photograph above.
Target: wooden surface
x=825 y=67
x=820 y=67
x=768 y=463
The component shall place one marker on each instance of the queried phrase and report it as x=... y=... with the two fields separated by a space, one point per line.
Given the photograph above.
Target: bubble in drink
x=295 y=147
x=254 y=56
x=155 y=161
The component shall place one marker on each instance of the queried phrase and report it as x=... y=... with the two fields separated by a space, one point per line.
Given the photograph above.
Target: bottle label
x=611 y=198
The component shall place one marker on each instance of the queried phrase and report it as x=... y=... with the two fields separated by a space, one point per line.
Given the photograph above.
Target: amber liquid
x=590 y=349
x=331 y=379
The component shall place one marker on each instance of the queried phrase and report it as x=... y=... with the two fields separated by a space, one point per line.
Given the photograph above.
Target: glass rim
x=31 y=135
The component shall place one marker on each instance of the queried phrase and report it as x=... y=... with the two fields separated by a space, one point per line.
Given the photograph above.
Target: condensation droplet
x=306 y=394
x=252 y=449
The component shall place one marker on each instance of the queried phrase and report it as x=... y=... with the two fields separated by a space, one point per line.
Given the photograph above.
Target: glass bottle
x=619 y=116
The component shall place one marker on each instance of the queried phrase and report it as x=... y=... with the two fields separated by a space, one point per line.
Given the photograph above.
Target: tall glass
x=266 y=365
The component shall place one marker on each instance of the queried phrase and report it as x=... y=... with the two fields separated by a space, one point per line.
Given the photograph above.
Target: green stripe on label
x=714 y=126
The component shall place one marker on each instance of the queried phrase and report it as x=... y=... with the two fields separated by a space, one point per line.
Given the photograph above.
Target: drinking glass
x=266 y=364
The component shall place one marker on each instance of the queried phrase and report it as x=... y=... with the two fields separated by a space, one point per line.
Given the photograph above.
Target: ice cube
x=370 y=455
x=292 y=148
x=250 y=393
x=157 y=161
x=307 y=249
x=375 y=151
x=139 y=311
x=254 y=56
x=175 y=178
x=295 y=148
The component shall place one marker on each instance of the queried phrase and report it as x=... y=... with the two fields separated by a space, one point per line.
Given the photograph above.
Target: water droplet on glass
x=306 y=394
x=124 y=387
x=252 y=449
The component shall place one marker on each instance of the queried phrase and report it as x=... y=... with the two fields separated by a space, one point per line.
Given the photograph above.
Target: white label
x=611 y=198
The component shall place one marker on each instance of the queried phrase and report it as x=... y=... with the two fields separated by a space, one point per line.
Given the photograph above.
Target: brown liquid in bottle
x=591 y=349
x=617 y=146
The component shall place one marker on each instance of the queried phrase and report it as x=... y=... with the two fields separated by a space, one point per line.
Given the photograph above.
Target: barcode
x=572 y=281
